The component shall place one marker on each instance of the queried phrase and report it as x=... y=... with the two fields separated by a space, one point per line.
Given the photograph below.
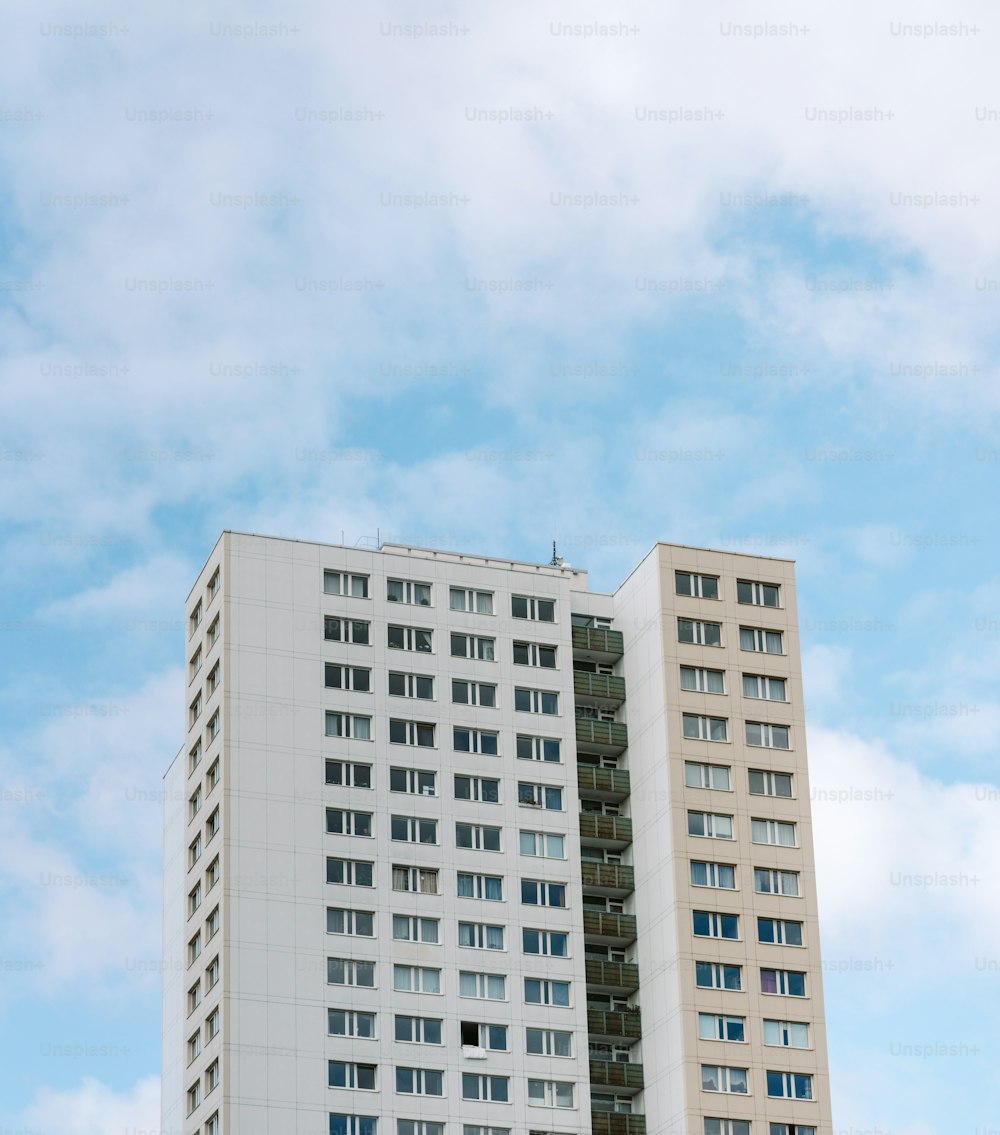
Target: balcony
x=612 y=977
x=612 y=784
x=609 y=929
x=614 y=881
x=597 y=645
x=601 y=736
x=611 y=832
x=598 y=689
x=614 y=1123
x=615 y=1074
x=614 y=1024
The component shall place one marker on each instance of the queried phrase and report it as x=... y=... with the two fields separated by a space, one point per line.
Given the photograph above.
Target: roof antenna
x=557 y=560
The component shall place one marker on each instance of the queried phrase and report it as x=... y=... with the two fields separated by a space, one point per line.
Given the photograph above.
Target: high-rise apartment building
x=455 y=846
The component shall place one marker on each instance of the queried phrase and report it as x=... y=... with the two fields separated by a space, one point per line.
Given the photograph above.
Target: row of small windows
x=766 y=880
x=341 y=1124
x=409 y=685
x=773 y=931
x=430 y=1082
x=424 y=782
x=721 y=975
x=748 y=591
x=742 y=1127
x=760 y=687
x=760 y=782
x=361 y=873
x=481 y=789
x=757 y=734
x=214 y=586
x=756 y=639
x=712 y=825
x=471 y=935
x=780 y=1085
x=422 y=734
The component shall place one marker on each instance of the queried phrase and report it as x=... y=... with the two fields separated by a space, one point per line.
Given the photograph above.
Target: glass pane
x=456 y=599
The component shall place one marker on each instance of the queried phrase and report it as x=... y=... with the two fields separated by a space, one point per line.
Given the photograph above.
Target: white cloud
x=94 y=1108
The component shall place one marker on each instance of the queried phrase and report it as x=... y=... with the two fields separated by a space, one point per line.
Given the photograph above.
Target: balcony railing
x=615 y=1074
x=604 y=783
x=613 y=929
x=612 y=976
x=613 y=831
x=614 y=1123
x=613 y=1023
x=616 y=880
x=598 y=641
x=598 y=688
x=601 y=736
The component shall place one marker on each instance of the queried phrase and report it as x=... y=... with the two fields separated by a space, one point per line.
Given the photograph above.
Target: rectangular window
x=345 y=583
x=536 y=701
x=339 y=821
x=213 y=632
x=700 y=586
x=727 y=1126
x=769 y=881
x=194 y=619
x=779 y=931
x=478 y=836
x=759 y=594
x=212 y=924
x=341 y=1124
x=719 y=875
x=194 y=997
x=212 y=973
x=212 y=1024
x=709 y=924
x=194 y=851
x=789 y=1085
x=489 y=887
x=788 y=1129
x=406 y=591
x=473 y=693
x=718 y=1078
x=195 y=711
x=535 y=892
x=534 y=654
x=347 y=971
x=550 y=943
x=787 y=1034
x=194 y=756
x=348 y=725
x=195 y=664
x=194 y=803
x=539 y=991
x=550 y=1093
x=347 y=1074
x=529 y=607
x=783 y=982
x=714 y=975
x=703 y=681
x=486 y=791
x=421 y=880
x=418 y=733
x=543 y=845
x=410 y=928
x=194 y=949
x=419 y=1127
x=538 y=749
x=413 y=829
x=411 y=685
x=713 y=1026
x=415 y=781
x=466 y=599
x=347 y=678
x=350 y=872
x=480 y=936
x=760 y=640
x=347 y=1022
x=492 y=1038
x=483 y=741
x=773 y=832
x=548 y=1042
x=212 y=874
x=212 y=824
x=194 y=1047
x=214 y=676
x=698 y=632
x=492 y=1088
x=762 y=688
x=194 y=1097
x=417 y=1030
x=767 y=736
x=410 y=638
x=697 y=775
x=348 y=774
x=545 y=796
x=479 y=1129
x=359 y=923
x=214 y=584
x=212 y=776
x=419 y=1082
x=416 y=979
x=710 y=825
x=214 y=724
x=705 y=728
x=473 y=646
x=765 y=783
x=483 y=986
x=355 y=631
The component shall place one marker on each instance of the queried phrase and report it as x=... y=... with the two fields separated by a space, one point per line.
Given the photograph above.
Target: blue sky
x=301 y=278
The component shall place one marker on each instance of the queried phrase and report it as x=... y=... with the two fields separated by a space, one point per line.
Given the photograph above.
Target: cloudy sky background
x=682 y=282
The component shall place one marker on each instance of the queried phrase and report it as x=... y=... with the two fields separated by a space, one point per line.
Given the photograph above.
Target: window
x=783 y=982
x=538 y=991
x=764 y=783
x=599 y=1101
x=213 y=632
x=764 y=688
x=488 y=887
x=787 y=1034
x=405 y=591
x=710 y=825
x=417 y=1030
x=353 y=1124
x=548 y=1042
x=491 y=1037
x=196 y=708
x=213 y=678
x=706 y=776
x=419 y=1127
x=416 y=979
x=717 y=1078
x=347 y=678
x=719 y=875
x=194 y=1047
x=550 y=1093
x=411 y=685
x=194 y=756
x=461 y=599
x=212 y=924
x=417 y=782
x=418 y=733
x=212 y=874
x=772 y=831
x=360 y=923
x=346 y=1074
x=528 y=607
x=213 y=585
x=727 y=1126
x=478 y=836
x=699 y=633
x=764 y=642
x=348 y=774
x=345 y=583
x=551 y=943
x=419 y=1082
x=194 y=900
x=348 y=725
x=534 y=654
x=708 y=924
x=790 y=1085
x=767 y=736
x=347 y=971
x=478 y=1129
x=410 y=638
x=212 y=973
x=703 y=681
x=544 y=845
x=410 y=928
x=534 y=892
x=540 y=796
x=355 y=631
x=212 y=776
x=779 y=931
x=214 y=723
x=769 y=881
x=702 y=586
x=477 y=788
x=713 y=975
x=341 y=822
x=194 y=1094
x=712 y=1026
x=212 y=1024
x=194 y=949
x=413 y=829
x=790 y=1129
x=350 y=872
x=759 y=594
x=422 y=880
x=348 y=1022
x=480 y=936
x=194 y=851
x=475 y=741
x=494 y=1088
x=212 y=824
x=538 y=749
x=195 y=663
x=705 y=728
x=194 y=997
x=473 y=646
x=484 y=986
x=473 y=693
x=194 y=620
x=536 y=701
